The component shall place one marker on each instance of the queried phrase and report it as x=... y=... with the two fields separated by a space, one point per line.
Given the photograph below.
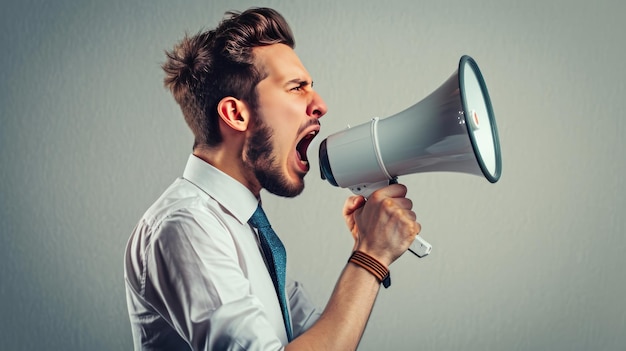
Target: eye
x=301 y=86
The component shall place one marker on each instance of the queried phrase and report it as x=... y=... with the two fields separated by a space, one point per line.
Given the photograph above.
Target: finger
x=399 y=206
x=393 y=190
x=407 y=217
x=352 y=204
x=403 y=203
x=411 y=216
x=418 y=228
x=411 y=229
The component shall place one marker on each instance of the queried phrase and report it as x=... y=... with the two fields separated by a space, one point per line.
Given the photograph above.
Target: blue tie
x=276 y=258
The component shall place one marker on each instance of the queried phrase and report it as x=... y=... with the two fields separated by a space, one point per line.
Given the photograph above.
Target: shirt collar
x=231 y=194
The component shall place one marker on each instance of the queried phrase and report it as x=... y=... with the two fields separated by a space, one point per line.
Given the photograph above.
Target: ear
x=234 y=113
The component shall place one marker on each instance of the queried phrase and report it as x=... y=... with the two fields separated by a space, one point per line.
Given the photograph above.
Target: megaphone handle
x=420 y=247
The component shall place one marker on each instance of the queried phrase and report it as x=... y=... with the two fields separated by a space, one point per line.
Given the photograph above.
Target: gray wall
x=89 y=138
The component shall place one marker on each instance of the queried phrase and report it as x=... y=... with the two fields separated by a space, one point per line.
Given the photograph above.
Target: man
x=200 y=273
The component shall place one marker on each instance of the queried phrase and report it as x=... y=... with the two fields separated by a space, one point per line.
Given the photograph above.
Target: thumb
x=352 y=204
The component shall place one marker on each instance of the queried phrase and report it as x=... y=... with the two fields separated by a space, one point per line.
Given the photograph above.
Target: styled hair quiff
x=203 y=69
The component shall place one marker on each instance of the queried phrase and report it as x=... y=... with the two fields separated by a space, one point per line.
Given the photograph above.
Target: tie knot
x=259 y=219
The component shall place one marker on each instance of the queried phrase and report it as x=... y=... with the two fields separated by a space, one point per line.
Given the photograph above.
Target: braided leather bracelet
x=373 y=266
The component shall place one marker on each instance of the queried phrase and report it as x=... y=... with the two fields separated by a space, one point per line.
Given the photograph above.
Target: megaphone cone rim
x=465 y=59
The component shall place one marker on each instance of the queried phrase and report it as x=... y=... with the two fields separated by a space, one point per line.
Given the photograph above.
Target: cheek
x=285 y=128
x=284 y=121
x=284 y=141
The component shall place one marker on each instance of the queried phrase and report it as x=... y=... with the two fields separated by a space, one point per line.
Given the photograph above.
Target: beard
x=261 y=159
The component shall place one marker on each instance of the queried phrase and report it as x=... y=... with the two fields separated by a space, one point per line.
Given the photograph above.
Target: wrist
x=380 y=255
x=372 y=265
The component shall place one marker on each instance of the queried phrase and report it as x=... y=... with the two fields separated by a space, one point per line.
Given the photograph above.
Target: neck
x=229 y=161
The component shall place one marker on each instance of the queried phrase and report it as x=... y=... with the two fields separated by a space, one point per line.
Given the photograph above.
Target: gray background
x=89 y=138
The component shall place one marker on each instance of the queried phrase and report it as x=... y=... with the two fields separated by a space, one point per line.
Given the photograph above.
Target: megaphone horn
x=452 y=129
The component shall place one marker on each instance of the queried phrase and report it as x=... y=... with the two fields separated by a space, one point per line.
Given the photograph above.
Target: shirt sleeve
x=194 y=281
x=302 y=310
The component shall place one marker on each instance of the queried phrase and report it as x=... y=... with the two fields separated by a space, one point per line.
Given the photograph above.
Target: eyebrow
x=301 y=82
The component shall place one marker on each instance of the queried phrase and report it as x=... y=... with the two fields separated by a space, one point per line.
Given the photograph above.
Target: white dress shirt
x=195 y=275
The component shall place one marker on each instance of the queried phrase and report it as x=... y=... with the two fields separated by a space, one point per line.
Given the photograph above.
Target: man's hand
x=384 y=226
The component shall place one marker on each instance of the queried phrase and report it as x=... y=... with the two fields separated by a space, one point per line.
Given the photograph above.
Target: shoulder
x=188 y=217
x=190 y=221
x=182 y=203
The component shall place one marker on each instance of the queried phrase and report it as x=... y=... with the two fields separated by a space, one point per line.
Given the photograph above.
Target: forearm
x=383 y=228
x=342 y=323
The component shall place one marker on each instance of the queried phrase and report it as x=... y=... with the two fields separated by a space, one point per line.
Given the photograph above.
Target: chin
x=280 y=185
x=291 y=190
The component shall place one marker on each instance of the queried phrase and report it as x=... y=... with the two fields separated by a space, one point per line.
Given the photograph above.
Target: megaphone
x=452 y=129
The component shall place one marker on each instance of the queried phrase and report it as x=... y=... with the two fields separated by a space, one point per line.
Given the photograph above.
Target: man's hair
x=203 y=69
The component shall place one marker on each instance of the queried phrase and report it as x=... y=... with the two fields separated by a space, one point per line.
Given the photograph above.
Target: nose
x=317 y=107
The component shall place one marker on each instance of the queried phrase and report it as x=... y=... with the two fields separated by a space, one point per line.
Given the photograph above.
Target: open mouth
x=303 y=145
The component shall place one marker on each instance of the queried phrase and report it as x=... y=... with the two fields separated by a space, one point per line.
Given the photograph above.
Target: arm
x=194 y=281
x=304 y=313
x=383 y=227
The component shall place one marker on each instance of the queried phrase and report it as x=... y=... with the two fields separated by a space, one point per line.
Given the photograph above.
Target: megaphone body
x=453 y=129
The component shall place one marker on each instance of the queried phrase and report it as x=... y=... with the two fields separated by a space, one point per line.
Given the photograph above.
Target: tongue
x=302 y=157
